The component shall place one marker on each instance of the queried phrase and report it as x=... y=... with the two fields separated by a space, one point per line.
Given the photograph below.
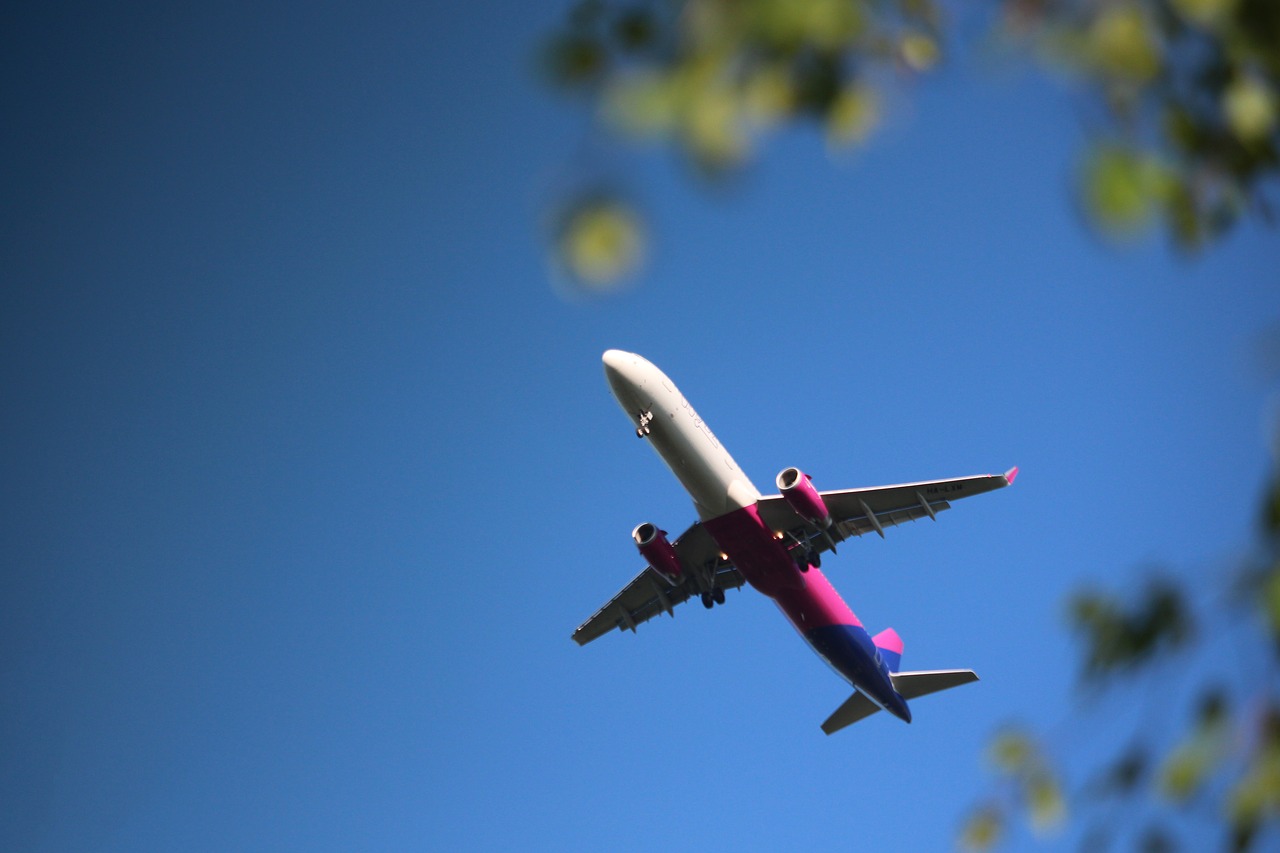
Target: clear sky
x=309 y=473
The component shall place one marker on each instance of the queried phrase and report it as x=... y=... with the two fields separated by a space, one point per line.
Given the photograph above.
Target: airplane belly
x=808 y=600
x=751 y=546
x=702 y=466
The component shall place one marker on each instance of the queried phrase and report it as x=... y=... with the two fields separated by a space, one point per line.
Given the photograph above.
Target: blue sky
x=310 y=472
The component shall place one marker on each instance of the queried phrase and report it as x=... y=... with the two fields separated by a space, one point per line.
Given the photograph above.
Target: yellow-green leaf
x=1206 y=13
x=1047 y=805
x=1125 y=188
x=1122 y=43
x=1250 y=109
x=982 y=830
x=919 y=51
x=1011 y=751
x=853 y=115
x=601 y=243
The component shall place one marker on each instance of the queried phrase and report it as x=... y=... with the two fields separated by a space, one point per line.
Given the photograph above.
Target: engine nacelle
x=799 y=493
x=660 y=553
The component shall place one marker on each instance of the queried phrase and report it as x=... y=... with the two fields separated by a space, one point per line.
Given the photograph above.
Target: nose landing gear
x=646 y=418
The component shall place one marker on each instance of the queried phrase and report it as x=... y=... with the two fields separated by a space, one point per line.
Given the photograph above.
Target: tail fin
x=890 y=646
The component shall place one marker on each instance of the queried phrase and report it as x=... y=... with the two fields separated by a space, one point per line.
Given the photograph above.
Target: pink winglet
x=1011 y=474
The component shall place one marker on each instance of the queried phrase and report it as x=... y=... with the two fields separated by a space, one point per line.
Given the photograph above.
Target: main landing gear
x=712 y=598
x=808 y=559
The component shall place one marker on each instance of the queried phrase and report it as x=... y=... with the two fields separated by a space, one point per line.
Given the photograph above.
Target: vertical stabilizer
x=890 y=646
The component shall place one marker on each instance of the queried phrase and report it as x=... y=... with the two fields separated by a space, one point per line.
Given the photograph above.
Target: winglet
x=1010 y=475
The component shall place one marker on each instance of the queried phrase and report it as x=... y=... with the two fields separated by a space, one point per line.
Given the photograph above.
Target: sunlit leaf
x=715 y=130
x=826 y=24
x=1205 y=13
x=769 y=95
x=1011 y=751
x=601 y=243
x=1045 y=801
x=1122 y=43
x=982 y=830
x=1250 y=109
x=644 y=104
x=1189 y=766
x=1124 y=188
x=853 y=116
x=1256 y=797
x=919 y=51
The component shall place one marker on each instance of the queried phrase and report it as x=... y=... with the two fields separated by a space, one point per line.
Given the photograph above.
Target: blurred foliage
x=1187 y=91
x=1222 y=763
x=600 y=242
x=1119 y=637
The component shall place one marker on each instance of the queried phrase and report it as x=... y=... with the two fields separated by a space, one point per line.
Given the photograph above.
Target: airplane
x=774 y=543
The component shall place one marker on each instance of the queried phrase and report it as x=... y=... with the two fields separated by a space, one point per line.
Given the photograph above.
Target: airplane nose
x=616 y=359
x=618 y=366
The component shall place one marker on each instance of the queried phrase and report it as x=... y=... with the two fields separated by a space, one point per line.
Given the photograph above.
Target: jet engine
x=799 y=493
x=660 y=553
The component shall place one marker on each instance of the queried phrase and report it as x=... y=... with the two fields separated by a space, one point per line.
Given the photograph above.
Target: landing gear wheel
x=707 y=601
x=815 y=560
x=718 y=595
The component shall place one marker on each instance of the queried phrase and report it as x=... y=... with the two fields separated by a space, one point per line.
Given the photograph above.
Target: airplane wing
x=650 y=594
x=855 y=512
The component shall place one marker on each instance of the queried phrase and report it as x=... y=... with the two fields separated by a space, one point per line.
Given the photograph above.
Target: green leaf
x=1249 y=106
x=1205 y=13
x=853 y=115
x=1122 y=43
x=1045 y=801
x=1012 y=751
x=1124 y=188
x=1187 y=769
x=601 y=243
x=982 y=830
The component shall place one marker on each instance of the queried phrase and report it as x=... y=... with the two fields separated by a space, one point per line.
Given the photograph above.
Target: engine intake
x=799 y=493
x=660 y=553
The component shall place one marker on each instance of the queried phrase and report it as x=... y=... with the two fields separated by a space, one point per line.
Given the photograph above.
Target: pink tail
x=890 y=646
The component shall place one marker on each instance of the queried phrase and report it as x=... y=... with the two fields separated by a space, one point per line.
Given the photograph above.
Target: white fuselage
x=683 y=440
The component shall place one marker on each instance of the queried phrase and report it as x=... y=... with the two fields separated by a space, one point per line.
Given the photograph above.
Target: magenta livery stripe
x=816 y=605
x=807 y=598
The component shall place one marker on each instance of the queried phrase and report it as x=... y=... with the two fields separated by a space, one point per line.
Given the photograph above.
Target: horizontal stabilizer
x=854 y=708
x=911 y=685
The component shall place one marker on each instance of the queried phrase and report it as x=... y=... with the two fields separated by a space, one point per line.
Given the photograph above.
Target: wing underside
x=856 y=512
x=649 y=594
